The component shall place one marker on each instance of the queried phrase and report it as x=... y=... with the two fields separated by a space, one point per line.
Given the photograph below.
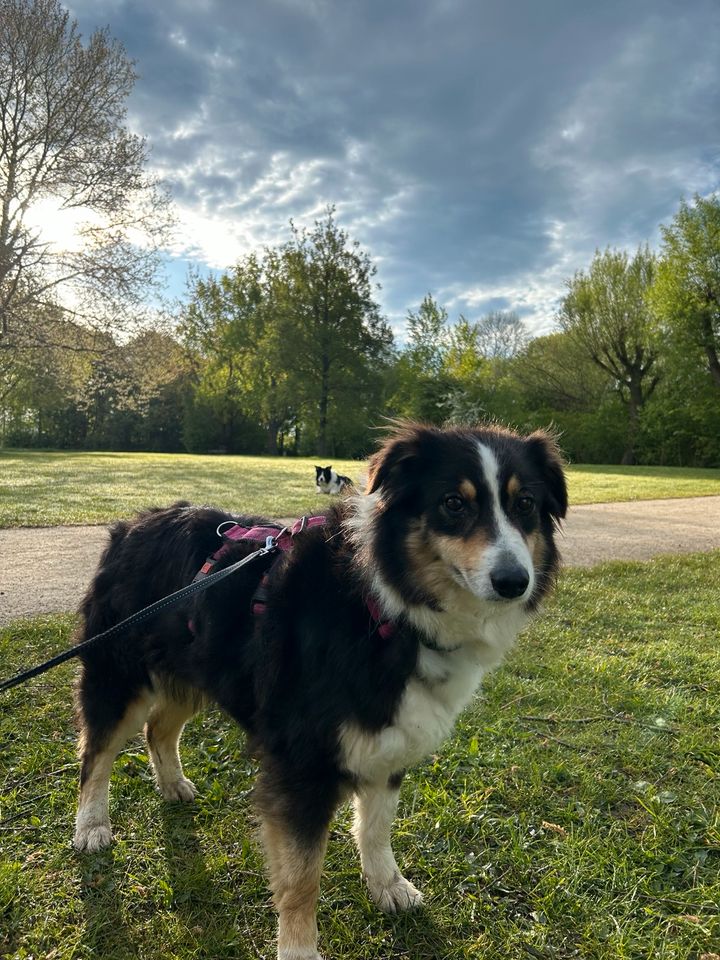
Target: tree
x=686 y=291
x=554 y=381
x=332 y=336
x=231 y=324
x=554 y=372
x=606 y=311
x=421 y=387
x=501 y=334
x=427 y=341
x=63 y=139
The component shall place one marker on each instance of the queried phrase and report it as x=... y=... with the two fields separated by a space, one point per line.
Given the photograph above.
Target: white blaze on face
x=508 y=546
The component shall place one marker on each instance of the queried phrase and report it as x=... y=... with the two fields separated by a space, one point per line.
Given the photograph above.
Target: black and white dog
x=328 y=481
x=378 y=627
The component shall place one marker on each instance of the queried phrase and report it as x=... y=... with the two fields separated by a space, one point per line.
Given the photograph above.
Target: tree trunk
x=635 y=403
x=713 y=363
x=271 y=440
x=709 y=343
x=324 y=398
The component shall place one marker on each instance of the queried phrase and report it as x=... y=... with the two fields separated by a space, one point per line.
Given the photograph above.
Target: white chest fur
x=441 y=687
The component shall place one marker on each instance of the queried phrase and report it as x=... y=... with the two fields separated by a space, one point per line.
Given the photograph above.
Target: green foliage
x=230 y=327
x=686 y=291
x=681 y=424
x=606 y=311
x=286 y=352
x=421 y=382
x=332 y=338
x=292 y=340
x=90 y=392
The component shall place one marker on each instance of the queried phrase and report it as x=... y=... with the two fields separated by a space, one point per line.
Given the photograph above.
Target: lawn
x=45 y=489
x=576 y=813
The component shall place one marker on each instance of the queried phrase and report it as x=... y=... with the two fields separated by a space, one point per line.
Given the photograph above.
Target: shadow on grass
x=106 y=934
x=419 y=935
x=214 y=919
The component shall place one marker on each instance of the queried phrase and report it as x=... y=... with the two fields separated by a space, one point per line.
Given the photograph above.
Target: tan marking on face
x=513 y=487
x=463 y=553
x=536 y=545
x=468 y=490
x=428 y=566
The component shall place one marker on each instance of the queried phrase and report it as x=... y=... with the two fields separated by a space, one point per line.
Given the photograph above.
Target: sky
x=479 y=150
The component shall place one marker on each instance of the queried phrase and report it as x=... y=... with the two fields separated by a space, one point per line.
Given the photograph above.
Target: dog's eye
x=453 y=503
x=525 y=503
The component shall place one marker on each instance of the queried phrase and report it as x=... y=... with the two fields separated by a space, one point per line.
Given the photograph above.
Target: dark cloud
x=481 y=151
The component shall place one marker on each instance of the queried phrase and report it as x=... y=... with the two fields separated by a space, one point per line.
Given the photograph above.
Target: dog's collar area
x=385 y=628
x=279 y=538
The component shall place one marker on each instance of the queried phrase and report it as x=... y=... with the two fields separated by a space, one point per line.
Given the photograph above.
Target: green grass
x=576 y=813
x=45 y=489
x=594 y=483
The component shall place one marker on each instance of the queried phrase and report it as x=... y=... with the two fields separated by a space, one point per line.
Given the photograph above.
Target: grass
x=576 y=813
x=46 y=489
x=594 y=483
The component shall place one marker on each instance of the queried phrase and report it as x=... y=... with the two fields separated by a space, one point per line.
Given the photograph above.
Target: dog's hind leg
x=107 y=721
x=375 y=808
x=162 y=732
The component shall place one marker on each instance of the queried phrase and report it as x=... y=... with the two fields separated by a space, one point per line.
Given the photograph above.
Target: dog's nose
x=509 y=580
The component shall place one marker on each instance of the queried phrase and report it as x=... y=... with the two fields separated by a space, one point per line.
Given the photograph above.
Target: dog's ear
x=329 y=467
x=546 y=454
x=392 y=465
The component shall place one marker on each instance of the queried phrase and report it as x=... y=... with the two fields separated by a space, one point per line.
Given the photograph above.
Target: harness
x=274 y=539
x=283 y=539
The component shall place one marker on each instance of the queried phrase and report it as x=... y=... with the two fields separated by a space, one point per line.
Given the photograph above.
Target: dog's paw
x=182 y=790
x=90 y=839
x=397 y=896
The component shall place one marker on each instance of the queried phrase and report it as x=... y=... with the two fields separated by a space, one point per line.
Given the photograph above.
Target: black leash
x=165 y=603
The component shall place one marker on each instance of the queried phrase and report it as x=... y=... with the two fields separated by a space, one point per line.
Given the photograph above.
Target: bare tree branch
x=63 y=138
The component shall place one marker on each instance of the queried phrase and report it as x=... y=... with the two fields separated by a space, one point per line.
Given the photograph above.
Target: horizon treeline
x=287 y=352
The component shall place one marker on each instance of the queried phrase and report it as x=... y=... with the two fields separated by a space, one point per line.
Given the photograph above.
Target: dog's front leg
x=375 y=808
x=294 y=824
x=294 y=866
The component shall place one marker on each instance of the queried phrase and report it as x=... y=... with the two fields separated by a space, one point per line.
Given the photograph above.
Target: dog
x=328 y=481
x=377 y=629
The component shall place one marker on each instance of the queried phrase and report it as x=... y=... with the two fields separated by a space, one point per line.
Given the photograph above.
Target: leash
x=276 y=539
x=166 y=603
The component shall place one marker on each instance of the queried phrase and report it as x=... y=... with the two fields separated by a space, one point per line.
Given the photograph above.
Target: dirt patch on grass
x=48 y=569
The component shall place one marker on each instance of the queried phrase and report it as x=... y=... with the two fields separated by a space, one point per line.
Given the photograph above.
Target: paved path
x=47 y=569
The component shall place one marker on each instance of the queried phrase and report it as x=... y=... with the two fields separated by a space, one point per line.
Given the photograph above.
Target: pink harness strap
x=385 y=628
x=282 y=537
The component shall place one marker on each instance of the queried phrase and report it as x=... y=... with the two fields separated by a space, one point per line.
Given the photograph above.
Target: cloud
x=480 y=151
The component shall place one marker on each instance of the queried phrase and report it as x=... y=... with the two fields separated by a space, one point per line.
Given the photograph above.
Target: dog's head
x=470 y=507
x=323 y=478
